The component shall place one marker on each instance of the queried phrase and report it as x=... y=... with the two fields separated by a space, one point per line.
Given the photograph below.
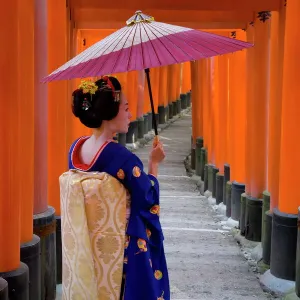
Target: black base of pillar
x=267 y=234
x=210 y=177
x=161 y=115
x=44 y=226
x=189 y=100
x=122 y=138
x=284 y=245
x=253 y=219
x=31 y=256
x=174 y=108
x=170 y=110
x=183 y=101
x=58 y=251
x=150 y=122
x=212 y=172
x=265 y=208
x=203 y=162
x=146 y=123
x=214 y=183
x=141 y=128
x=18 y=283
x=206 y=167
x=237 y=190
x=193 y=158
x=3 y=289
x=193 y=154
x=131 y=135
x=297 y=288
x=243 y=214
x=228 y=198
x=199 y=145
x=219 y=188
x=167 y=113
x=178 y=106
x=226 y=179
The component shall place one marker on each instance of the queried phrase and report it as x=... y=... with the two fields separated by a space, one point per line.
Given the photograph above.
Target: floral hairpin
x=107 y=85
x=87 y=87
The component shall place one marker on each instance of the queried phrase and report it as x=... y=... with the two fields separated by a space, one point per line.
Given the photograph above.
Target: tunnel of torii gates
x=245 y=120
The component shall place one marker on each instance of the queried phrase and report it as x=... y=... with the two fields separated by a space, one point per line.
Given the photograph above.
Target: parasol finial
x=139 y=17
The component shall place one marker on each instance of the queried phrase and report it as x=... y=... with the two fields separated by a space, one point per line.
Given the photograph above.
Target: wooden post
x=10 y=202
x=222 y=100
x=58 y=101
x=275 y=103
x=289 y=195
x=237 y=100
x=25 y=116
x=250 y=89
x=259 y=106
x=285 y=217
x=197 y=109
x=41 y=108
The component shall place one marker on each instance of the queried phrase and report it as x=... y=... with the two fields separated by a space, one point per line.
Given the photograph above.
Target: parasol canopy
x=143 y=44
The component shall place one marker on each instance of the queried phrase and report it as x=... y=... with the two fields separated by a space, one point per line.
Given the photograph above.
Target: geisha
x=110 y=206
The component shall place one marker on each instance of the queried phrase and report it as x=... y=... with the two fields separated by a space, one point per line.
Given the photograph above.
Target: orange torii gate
x=244 y=115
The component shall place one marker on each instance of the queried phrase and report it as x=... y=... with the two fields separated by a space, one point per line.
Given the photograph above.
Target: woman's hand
x=157 y=155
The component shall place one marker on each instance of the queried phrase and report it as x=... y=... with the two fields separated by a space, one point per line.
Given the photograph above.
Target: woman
x=104 y=108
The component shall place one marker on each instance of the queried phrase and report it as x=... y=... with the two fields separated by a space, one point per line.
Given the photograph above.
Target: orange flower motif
x=127 y=240
x=136 y=171
x=158 y=274
x=142 y=245
x=125 y=260
x=155 y=209
x=148 y=233
x=121 y=174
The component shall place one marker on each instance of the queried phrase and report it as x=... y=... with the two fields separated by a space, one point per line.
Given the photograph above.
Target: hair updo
x=92 y=109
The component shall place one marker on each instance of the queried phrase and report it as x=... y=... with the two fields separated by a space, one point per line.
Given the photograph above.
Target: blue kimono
x=145 y=266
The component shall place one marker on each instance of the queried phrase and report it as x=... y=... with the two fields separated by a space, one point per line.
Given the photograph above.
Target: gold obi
x=93 y=223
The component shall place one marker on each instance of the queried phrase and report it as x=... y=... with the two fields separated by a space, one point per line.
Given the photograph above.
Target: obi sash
x=93 y=224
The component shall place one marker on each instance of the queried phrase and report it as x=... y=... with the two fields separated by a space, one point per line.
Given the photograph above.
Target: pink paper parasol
x=143 y=44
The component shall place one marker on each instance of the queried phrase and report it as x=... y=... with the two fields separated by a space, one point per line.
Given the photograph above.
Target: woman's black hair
x=93 y=109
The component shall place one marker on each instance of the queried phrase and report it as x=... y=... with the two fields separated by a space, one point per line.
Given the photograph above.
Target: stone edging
x=251 y=251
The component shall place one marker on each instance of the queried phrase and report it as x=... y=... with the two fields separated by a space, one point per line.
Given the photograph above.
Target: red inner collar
x=76 y=155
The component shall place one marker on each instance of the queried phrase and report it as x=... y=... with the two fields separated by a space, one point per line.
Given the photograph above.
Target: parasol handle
x=155 y=141
x=147 y=71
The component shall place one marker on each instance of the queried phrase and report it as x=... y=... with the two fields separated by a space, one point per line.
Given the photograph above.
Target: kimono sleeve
x=144 y=192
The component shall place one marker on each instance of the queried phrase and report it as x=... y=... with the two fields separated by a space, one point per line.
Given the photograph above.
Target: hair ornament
x=86 y=104
x=107 y=85
x=88 y=87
